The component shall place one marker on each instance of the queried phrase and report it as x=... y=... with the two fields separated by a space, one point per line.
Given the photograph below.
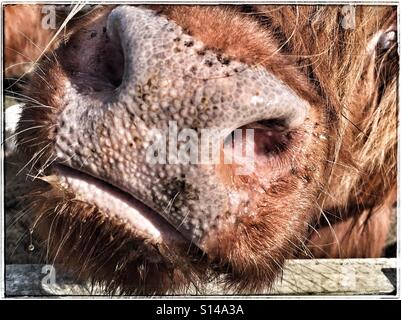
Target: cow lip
x=119 y=205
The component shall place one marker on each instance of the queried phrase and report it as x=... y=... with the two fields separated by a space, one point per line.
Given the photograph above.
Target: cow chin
x=89 y=244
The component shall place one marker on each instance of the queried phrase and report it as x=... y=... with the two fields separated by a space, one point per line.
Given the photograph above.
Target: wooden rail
x=300 y=277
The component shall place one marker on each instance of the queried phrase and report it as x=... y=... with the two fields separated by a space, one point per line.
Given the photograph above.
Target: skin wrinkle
x=249 y=244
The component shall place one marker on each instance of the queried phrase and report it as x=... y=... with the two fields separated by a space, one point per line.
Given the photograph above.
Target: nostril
x=269 y=138
x=93 y=61
x=270 y=142
x=114 y=62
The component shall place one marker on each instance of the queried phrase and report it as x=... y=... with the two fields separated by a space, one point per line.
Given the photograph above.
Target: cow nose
x=171 y=82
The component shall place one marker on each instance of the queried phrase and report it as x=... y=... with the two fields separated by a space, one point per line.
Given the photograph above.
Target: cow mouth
x=120 y=206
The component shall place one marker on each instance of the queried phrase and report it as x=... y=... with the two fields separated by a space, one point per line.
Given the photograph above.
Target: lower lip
x=117 y=205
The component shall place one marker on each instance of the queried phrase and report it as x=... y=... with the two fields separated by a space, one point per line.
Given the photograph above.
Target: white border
x=205 y=298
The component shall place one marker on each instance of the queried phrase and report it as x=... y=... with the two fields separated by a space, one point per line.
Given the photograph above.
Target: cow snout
x=159 y=134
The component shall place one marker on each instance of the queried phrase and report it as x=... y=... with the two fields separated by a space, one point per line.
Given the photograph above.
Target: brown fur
x=343 y=186
x=24 y=38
